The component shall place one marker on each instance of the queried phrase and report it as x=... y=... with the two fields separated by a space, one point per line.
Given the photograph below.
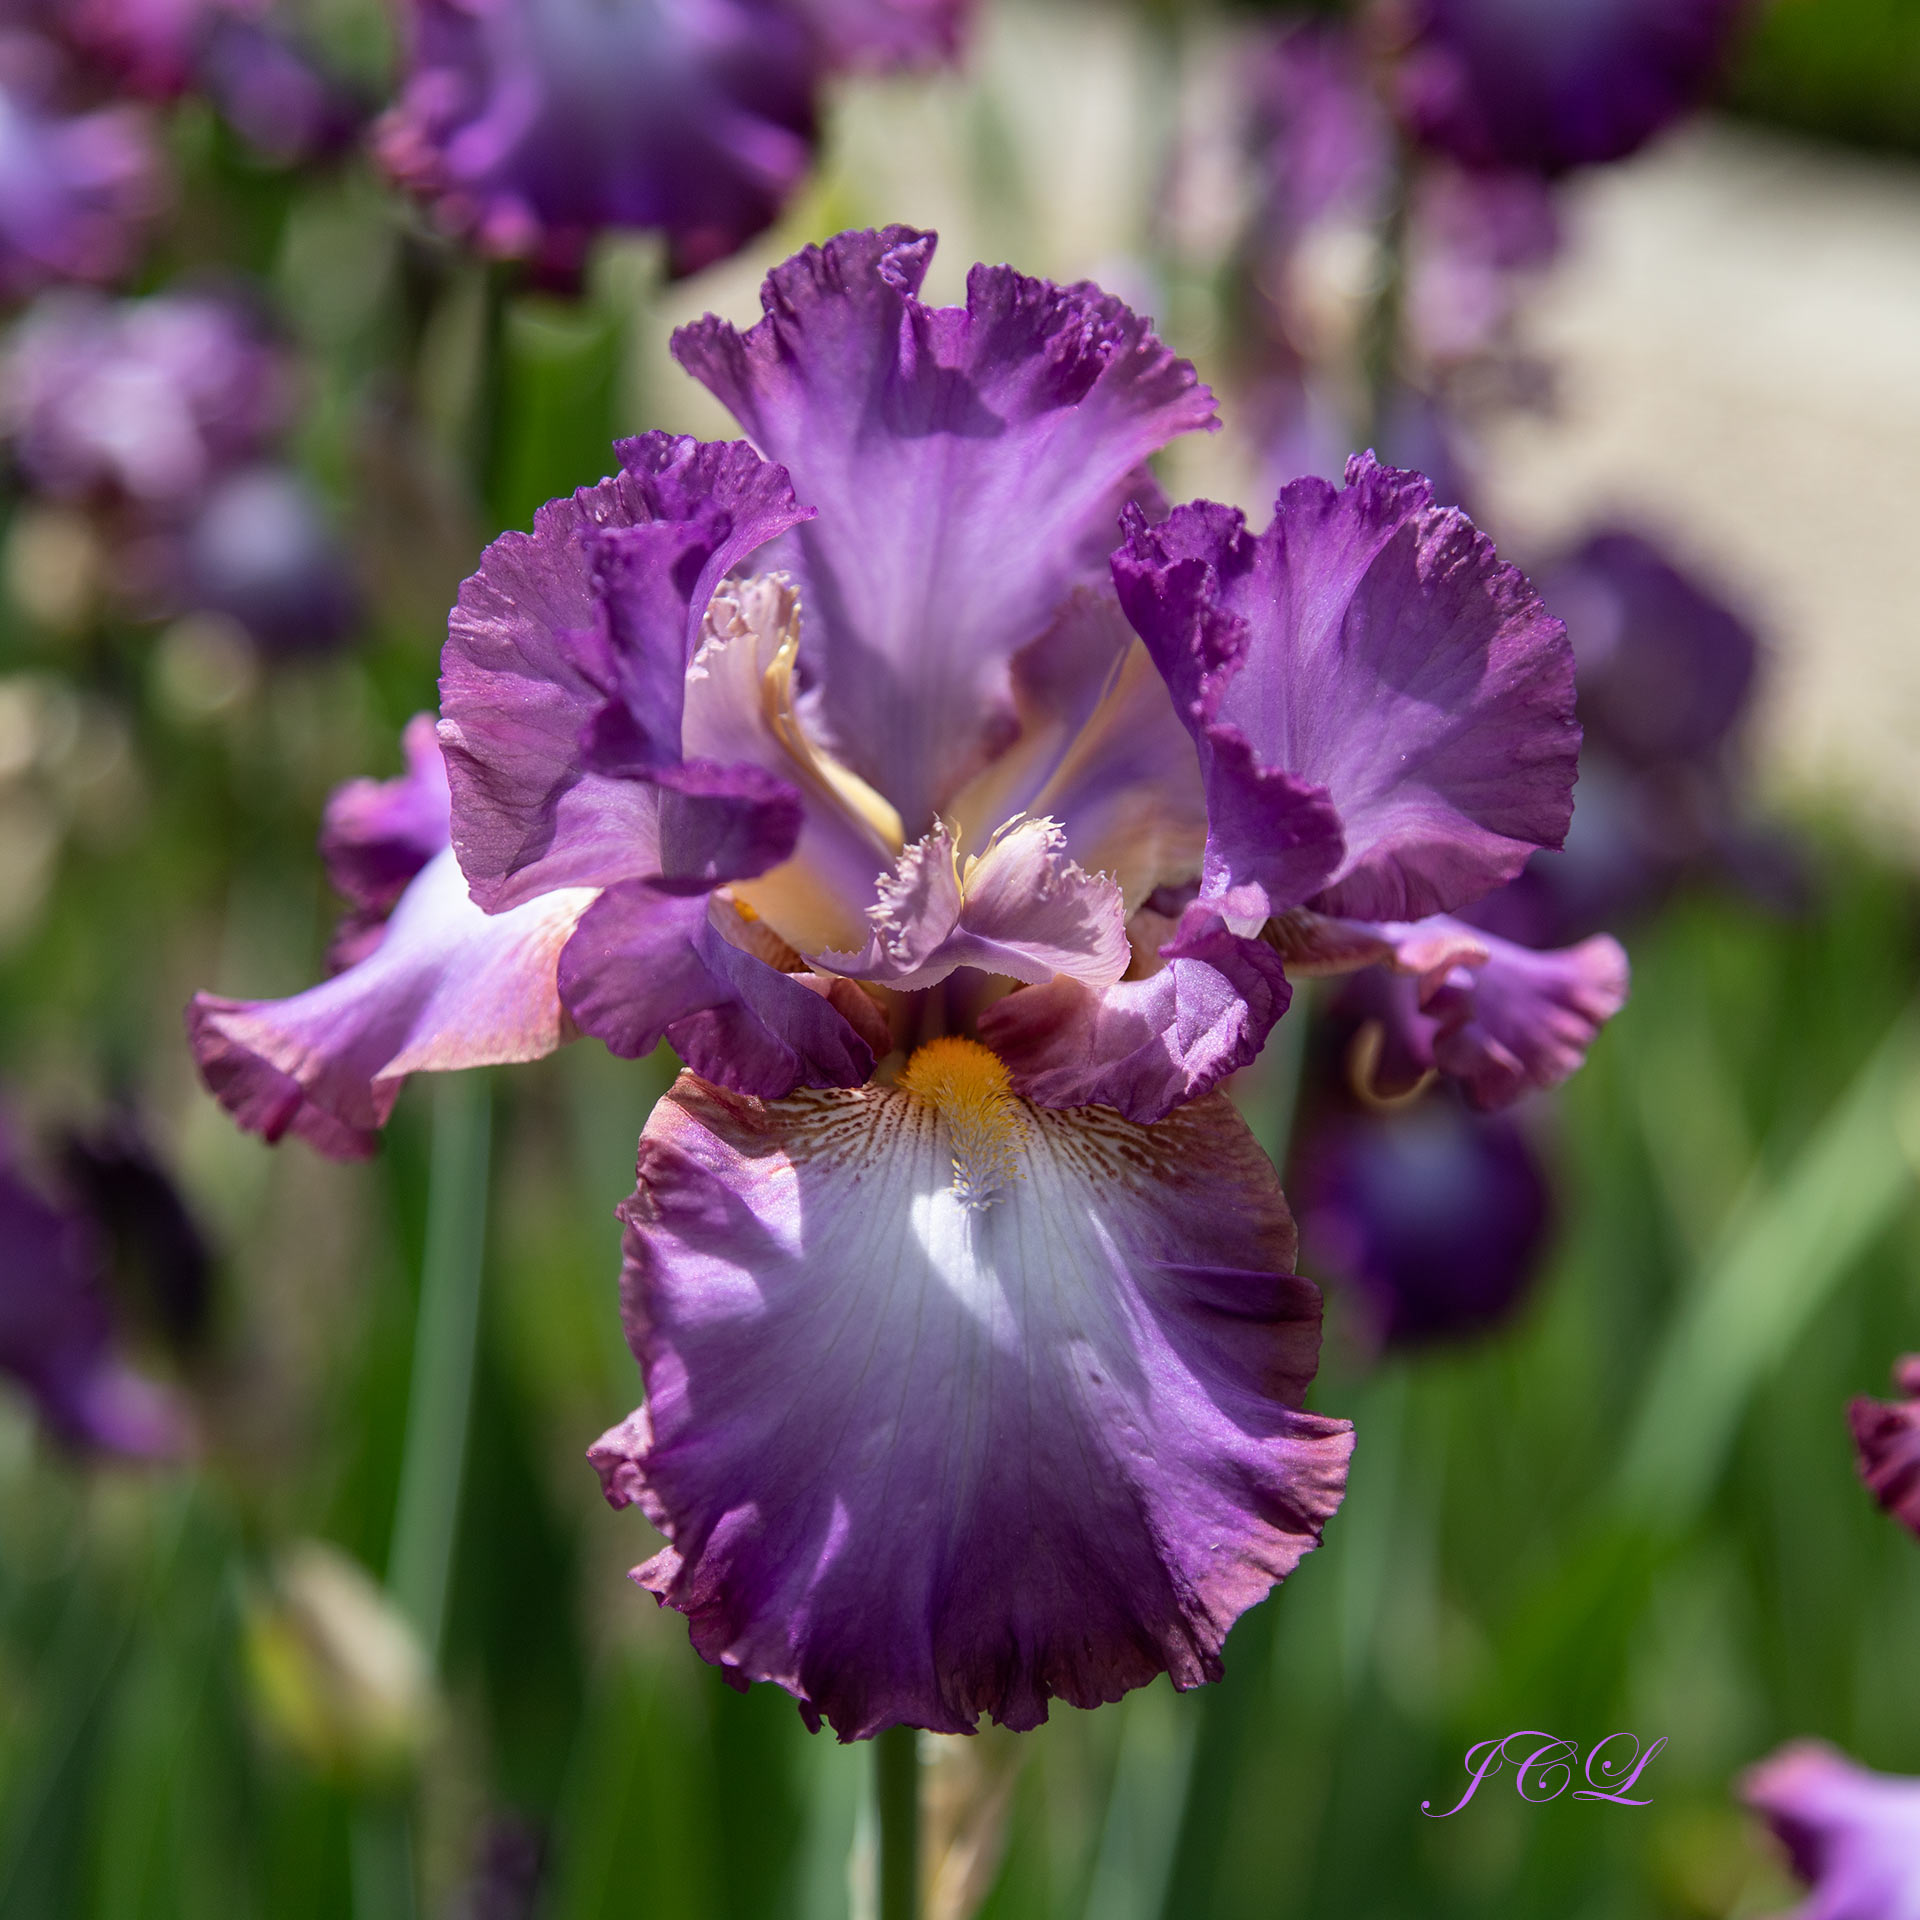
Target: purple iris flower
x=272 y=92
x=77 y=188
x=56 y=1333
x=1548 y=85
x=531 y=125
x=1887 y=1440
x=973 y=1351
x=140 y=403
x=261 y=552
x=1437 y=1217
x=1852 y=1834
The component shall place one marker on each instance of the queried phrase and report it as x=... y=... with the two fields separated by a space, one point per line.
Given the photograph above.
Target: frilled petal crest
x=1146 y=1045
x=447 y=986
x=563 y=680
x=968 y=465
x=1887 y=1440
x=955 y=1405
x=1384 y=712
x=1852 y=1834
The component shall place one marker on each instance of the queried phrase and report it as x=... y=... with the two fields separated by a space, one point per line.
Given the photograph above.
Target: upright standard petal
x=956 y=1406
x=1144 y=1046
x=1887 y=1441
x=563 y=674
x=968 y=465
x=1852 y=1834
x=449 y=986
x=1384 y=712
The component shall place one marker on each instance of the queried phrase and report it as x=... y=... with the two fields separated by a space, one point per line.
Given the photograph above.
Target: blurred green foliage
x=1843 y=69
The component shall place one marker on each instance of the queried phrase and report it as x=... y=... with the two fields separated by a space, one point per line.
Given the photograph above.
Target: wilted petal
x=968 y=465
x=955 y=1405
x=1384 y=712
x=449 y=986
x=1021 y=909
x=1100 y=750
x=1887 y=1439
x=1852 y=1834
x=648 y=965
x=561 y=683
x=1144 y=1046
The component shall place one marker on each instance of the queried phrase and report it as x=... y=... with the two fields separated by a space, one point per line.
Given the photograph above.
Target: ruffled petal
x=449 y=986
x=968 y=465
x=562 y=678
x=377 y=834
x=1887 y=1440
x=1852 y=1834
x=1021 y=909
x=648 y=965
x=957 y=1408
x=1100 y=750
x=1144 y=1046
x=1384 y=712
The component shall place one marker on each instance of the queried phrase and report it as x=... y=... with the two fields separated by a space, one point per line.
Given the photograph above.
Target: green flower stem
x=896 y=1782
x=446 y=1333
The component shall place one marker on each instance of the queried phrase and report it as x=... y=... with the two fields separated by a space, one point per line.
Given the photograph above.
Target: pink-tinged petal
x=1144 y=1046
x=1021 y=909
x=648 y=965
x=449 y=986
x=555 y=648
x=377 y=834
x=742 y=707
x=1100 y=750
x=1384 y=712
x=958 y=1406
x=1887 y=1441
x=968 y=464
x=1318 y=946
x=1853 y=1835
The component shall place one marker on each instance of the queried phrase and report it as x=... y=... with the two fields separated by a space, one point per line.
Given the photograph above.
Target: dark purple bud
x=1436 y=1216
x=261 y=552
x=274 y=95
x=1554 y=84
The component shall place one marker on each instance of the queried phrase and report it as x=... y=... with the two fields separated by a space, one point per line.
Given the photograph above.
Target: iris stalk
x=896 y=1781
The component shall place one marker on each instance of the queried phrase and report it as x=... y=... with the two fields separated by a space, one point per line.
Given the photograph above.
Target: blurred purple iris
x=532 y=125
x=78 y=185
x=1547 y=85
x=1437 y=1216
x=1852 y=1834
x=56 y=1330
x=973 y=1351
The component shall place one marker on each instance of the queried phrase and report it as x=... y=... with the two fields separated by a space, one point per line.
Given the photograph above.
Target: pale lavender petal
x=1887 y=1441
x=969 y=465
x=1384 y=712
x=1021 y=908
x=554 y=649
x=943 y=1421
x=1852 y=1834
x=377 y=834
x=1144 y=1046
x=647 y=965
x=1099 y=750
x=867 y=34
x=449 y=986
